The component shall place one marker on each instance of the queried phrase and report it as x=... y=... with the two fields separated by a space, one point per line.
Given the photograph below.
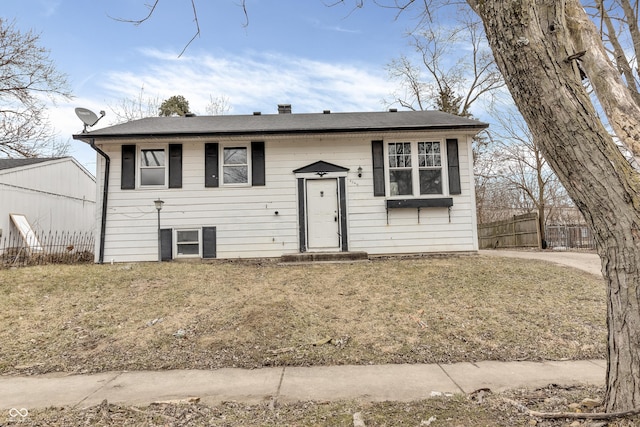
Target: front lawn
x=93 y=318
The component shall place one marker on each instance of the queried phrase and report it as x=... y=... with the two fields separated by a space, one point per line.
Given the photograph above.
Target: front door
x=323 y=222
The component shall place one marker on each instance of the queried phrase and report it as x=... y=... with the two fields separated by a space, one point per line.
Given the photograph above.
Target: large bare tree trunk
x=532 y=45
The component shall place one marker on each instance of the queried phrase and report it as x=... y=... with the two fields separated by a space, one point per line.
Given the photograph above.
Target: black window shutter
x=211 y=167
x=377 y=149
x=166 y=244
x=257 y=163
x=454 y=166
x=128 y=171
x=208 y=242
x=175 y=165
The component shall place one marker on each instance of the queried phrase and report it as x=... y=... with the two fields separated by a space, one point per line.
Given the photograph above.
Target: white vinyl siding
x=245 y=217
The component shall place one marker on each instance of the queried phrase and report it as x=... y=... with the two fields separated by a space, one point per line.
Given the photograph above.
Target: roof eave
x=88 y=137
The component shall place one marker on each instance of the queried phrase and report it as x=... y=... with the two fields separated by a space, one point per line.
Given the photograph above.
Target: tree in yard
x=456 y=69
x=128 y=109
x=548 y=51
x=545 y=49
x=177 y=105
x=521 y=168
x=218 y=106
x=27 y=76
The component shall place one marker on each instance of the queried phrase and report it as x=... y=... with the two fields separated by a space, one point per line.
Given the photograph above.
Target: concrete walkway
x=586 y=261
x=287 y=384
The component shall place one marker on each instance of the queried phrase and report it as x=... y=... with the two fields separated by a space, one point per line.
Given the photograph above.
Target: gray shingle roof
x=284 y=124
x=16 y=163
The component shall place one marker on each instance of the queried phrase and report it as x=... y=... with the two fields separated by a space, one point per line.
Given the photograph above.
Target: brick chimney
x=284 y=108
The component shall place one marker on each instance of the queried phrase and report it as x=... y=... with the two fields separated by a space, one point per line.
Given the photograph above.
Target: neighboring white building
x=54 y=194
x=271 y=185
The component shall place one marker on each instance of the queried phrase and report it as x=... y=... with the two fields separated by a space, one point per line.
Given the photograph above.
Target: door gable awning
x=321 y=166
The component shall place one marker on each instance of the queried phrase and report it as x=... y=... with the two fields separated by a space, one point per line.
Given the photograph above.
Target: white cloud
x=334 y=28
x=254 y=81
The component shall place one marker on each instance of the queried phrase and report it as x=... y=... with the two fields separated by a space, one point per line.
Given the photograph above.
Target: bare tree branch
x=136 y=22
x=197 y=34
x=27 y=74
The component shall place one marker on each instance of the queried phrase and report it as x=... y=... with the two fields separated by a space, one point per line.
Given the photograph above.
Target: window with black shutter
x=257 y=163
x=175 y=165
x=235 y=165
x=453 y=166
x=377 y=149
x=211 y=165
x=208 y=242
x=128 y=170
x=166 y=244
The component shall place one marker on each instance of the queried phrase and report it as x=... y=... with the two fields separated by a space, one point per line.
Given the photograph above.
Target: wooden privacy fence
x=46 y=248
x=520 y=231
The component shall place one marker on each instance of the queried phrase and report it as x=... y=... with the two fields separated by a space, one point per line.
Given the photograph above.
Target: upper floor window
x=400 y=176
x=415 y=165
x=152 y=166
x=235 y=165
x=430 y=167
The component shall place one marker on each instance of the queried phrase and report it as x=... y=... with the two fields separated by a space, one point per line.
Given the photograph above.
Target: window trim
x=415 y=169
x=247 y=147
x=431 y=168
x=412 y=162
x=176 y=244
x=139 y=167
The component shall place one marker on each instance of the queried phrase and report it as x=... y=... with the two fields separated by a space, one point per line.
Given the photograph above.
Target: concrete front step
x=325 y=257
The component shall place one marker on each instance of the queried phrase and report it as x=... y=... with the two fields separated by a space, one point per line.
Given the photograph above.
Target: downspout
x=105 y=194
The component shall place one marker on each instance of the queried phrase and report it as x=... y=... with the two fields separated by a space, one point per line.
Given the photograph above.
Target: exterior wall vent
x=284 y=108
x=257 y=113
x=393 y=110
x=326 y=112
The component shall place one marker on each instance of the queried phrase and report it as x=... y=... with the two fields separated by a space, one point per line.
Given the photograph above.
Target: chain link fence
x=564 y=237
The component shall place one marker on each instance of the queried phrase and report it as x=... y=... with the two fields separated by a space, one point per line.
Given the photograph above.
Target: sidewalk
x=288 y=384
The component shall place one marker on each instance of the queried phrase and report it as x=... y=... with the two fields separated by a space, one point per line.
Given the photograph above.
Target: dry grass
x=96 y=318
x=456 y=411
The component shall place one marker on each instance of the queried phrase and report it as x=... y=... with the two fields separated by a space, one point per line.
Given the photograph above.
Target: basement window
x=187 y=243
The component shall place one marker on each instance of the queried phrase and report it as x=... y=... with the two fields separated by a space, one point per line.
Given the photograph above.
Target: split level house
x=268 y=185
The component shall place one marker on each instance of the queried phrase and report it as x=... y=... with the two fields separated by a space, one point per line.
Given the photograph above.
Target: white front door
x=323 y=222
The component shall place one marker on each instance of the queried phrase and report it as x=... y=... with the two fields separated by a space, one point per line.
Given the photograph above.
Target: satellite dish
x=88 y=117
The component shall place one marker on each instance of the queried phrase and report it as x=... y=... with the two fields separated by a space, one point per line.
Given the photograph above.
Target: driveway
x=589 y=262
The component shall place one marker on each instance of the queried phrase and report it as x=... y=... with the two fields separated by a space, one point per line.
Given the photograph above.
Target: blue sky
x=292 y=51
